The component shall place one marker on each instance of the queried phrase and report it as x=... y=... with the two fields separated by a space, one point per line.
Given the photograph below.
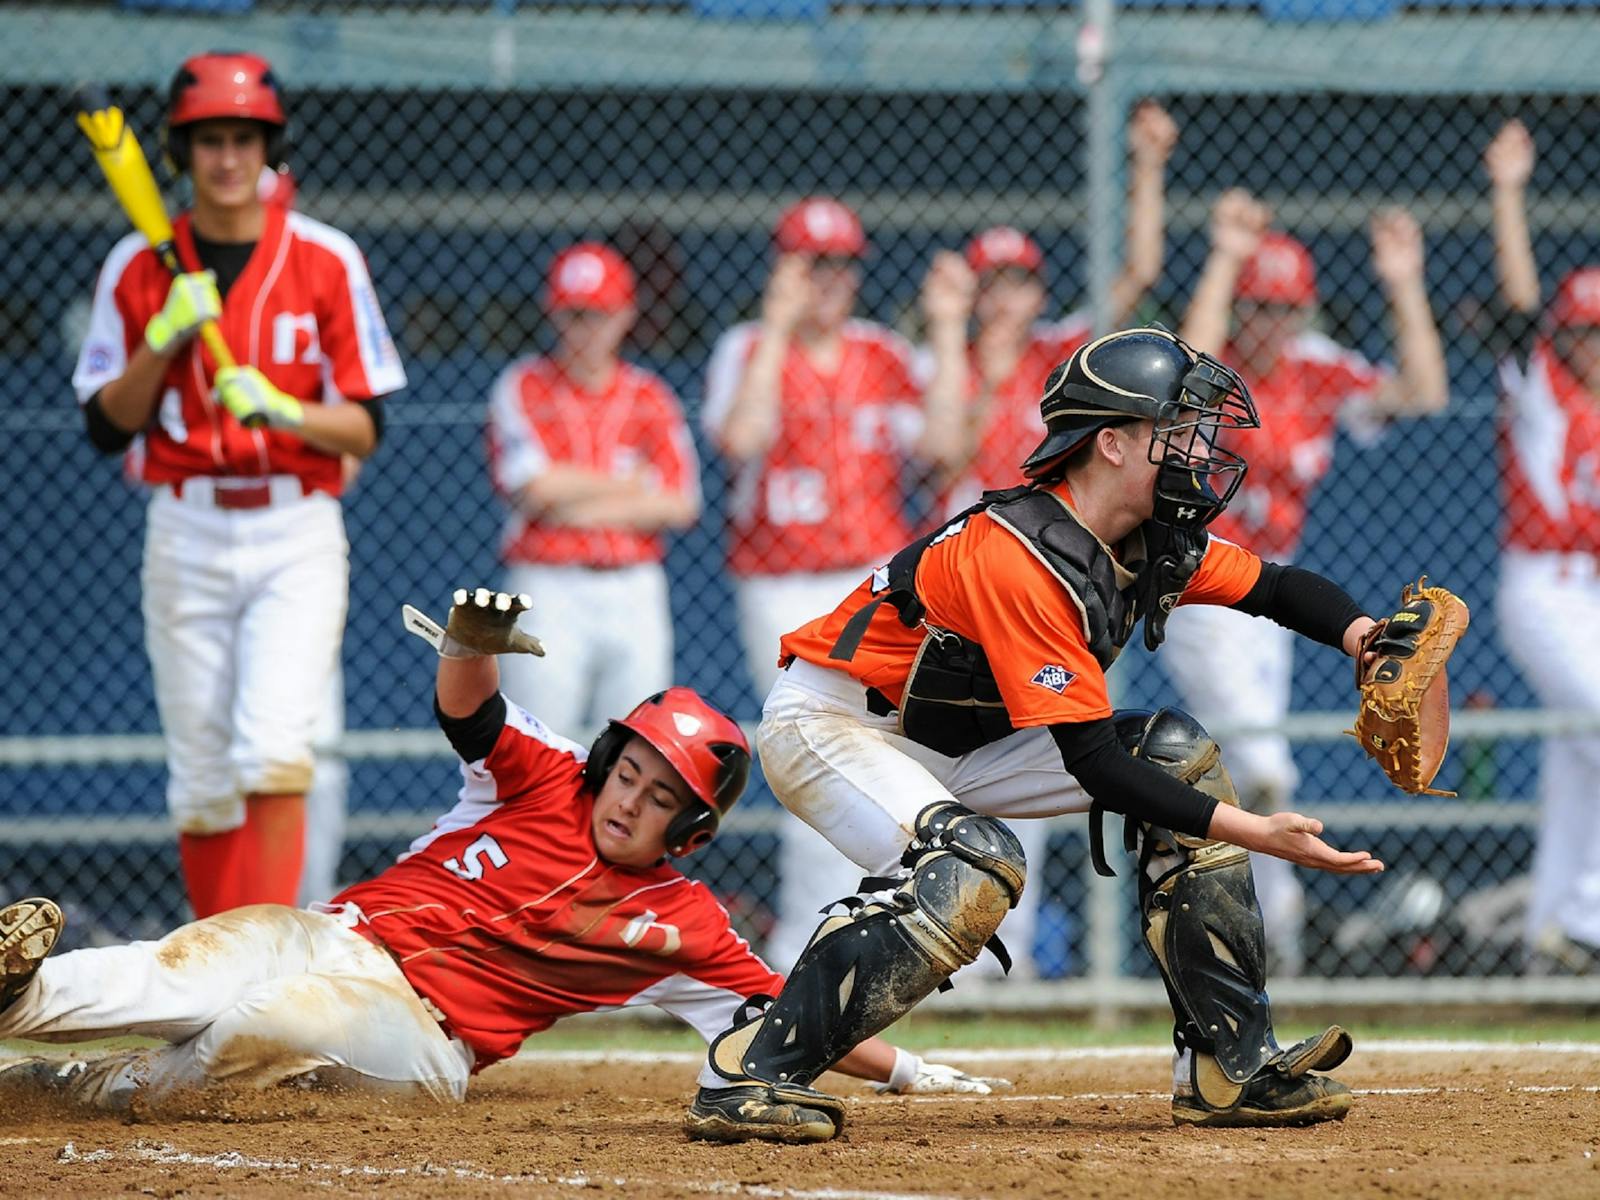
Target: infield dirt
x=1498 y=1124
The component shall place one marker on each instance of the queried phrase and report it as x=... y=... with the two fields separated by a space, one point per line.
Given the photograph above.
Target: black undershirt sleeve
x=474 y=736
x=374 y=409
x=1120 y=783
x=103 y=435
x=1302 y=601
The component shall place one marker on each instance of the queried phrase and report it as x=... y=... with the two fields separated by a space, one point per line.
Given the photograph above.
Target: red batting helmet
x=1004 y=246
x=589 y=275
x=818 y=225
x=1577 y=300
x=701 y=744
x=1279 y=272
x=224 y=84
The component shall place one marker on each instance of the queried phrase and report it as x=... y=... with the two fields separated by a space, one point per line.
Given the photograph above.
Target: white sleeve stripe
x=722 y=377
x=707 y=1009
x=379 y=360
x=104 y=353
x=521 y=455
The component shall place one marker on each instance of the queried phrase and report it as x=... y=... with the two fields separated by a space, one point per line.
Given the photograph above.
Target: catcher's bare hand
x=481 y=623
x=1290 y=836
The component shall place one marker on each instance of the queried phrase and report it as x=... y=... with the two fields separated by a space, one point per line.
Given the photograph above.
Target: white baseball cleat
x=29 y=930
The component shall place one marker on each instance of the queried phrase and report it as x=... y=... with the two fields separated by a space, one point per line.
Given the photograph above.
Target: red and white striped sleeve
x=362 y=361
x=104 y=353
x=516 y=452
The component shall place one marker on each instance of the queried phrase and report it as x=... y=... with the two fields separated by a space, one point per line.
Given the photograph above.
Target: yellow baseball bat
x=128 y=172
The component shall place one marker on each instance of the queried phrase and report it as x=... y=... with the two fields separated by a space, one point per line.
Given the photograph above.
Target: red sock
x=211 y=865
x=274 y=849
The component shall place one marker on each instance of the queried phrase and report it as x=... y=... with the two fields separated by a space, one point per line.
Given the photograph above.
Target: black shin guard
x=862 y=970
x=1203 y=927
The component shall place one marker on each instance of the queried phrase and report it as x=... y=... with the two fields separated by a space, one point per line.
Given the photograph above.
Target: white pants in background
x=243 y=615
x=253 y=997
x=607 y=638
x=327 y=803
x=1549 y=612
x=1230 y=667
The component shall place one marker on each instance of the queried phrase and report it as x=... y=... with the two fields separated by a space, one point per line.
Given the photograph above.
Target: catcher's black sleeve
x=474 y=736
x=1123 y=784
x=103 y=435
x=1303 y=601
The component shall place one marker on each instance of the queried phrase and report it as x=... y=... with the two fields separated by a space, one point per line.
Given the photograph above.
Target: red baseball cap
x=1577 y=300
x=1004 y=246
x=222 y=84
x=1279 y=272
x=818 y=225
x=589 y=275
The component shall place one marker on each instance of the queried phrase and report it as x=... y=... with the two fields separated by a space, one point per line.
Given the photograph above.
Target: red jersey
x=1550 y=456
x=986 y=584
x=505 y=918
x=539 y=416
x=1012 y=427
x=303 y=312
x=828 y=495
x=1311 y=388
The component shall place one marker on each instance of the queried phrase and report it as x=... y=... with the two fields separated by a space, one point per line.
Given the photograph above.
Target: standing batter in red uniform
x=547 y=890
x=1252 y=308
x=246 y=565
x=595 y=460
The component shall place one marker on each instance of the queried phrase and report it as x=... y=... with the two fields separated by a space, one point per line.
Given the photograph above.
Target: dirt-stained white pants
x=253 y=997
x=860 y=784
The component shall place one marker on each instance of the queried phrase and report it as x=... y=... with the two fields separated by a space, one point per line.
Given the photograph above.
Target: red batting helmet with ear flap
x=707 y=750
x=224 y=84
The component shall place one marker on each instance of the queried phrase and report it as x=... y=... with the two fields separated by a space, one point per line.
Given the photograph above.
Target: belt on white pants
x=237 y=492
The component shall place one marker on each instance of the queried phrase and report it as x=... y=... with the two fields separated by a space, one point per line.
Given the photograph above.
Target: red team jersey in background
x=1012 y=429
x=1301 y=401
x=539 y=416
x=829 y=494
x=303 y=312
x=1550 y=457
x=505 y=918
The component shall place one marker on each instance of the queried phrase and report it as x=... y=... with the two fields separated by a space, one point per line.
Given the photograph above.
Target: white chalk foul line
x=1062 y=1054
x=166 y=1154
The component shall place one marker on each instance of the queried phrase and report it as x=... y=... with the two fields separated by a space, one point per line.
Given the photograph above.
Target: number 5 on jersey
x=484 y=848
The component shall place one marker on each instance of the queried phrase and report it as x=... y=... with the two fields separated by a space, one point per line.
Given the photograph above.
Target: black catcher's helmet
x=1149 y=374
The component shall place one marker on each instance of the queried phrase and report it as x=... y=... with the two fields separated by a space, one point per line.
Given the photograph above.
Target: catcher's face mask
x=1197 y=475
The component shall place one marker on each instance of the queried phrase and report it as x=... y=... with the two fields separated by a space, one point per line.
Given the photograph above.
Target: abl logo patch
x=1055 y=678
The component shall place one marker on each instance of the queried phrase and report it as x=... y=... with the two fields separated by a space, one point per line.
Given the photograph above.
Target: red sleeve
x=727 y=961
x=362 y=359
x=531 y=763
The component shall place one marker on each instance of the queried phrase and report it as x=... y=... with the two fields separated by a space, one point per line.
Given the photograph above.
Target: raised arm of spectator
x=751 y=425
x=1238 y=220
x=1509 y=161
x=947 y=443
x=1421 y=386
x=1152 y=133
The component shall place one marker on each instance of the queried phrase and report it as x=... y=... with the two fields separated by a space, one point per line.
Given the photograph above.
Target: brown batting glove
x=481 y=623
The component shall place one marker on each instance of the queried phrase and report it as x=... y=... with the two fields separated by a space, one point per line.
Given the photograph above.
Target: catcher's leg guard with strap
x=1202 y=925
x=864 y=969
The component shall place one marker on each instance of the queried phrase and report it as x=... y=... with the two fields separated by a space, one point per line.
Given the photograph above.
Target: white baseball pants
x=243 y=615
x=1549 y=611
x=607 y=638
x=253 y=997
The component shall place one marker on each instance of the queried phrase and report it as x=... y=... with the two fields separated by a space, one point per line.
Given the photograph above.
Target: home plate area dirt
x=1428 y=1122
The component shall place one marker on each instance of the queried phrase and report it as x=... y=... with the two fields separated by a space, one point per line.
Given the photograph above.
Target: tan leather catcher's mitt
x=1404 y=720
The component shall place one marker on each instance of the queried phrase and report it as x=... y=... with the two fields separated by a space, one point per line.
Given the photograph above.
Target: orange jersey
x=985 y=584
x=505 y=918
x=538 y=417
x=1550 y=457
x=828 y=494
x=1012 y=427
x=303 y=312
x=1301 y=401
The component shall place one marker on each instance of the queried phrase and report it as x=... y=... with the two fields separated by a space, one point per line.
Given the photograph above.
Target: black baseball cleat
x=764 y=1112
x=29 y=930
x=1270 y=1099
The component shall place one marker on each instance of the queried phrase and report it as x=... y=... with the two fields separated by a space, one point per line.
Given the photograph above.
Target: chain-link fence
x=463 y=145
